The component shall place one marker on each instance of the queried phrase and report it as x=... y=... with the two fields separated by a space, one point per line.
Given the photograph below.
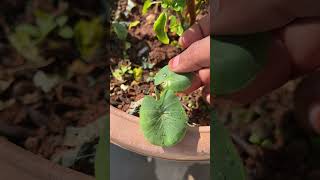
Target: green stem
x=156 y=91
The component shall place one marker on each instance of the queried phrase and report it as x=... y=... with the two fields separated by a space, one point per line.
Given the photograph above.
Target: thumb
x=195 y=57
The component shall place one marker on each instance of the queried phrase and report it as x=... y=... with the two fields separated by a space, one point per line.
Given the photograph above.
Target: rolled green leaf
x=173 y=81
x=237 y=60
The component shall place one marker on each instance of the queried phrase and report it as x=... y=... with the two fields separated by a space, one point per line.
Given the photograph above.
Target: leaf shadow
x=188 y=146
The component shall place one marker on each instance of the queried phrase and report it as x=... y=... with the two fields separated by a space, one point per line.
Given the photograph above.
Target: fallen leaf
x=46 y=82
x=77 y=136
x=124 y=87
x=134 y=107
x=134 y=24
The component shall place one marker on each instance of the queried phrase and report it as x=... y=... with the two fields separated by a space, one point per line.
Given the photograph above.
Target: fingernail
x=181 y=41
x=175 y=62
x=314 y=117
x=208 y=98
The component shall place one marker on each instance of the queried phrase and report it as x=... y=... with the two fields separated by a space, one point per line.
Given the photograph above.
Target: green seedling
x=137 y=73
x=180 y=13
x=26 y=38
x=123 y=69
x=89 y=40
x=163 y=120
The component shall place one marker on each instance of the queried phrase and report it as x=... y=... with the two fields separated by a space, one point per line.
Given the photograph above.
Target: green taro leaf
x=173 y=81
x=237 y=60
x=146 y=5
x=226 y=163
x=160 y=28
x=163 y=121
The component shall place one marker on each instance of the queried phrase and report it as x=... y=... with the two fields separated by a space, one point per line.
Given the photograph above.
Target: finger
x=295 y=51
x=275 y=73
x=302 y=40
x=196 y=32
x=201 y=78
x=206 y=93
x=195 y=57
x=247 y=16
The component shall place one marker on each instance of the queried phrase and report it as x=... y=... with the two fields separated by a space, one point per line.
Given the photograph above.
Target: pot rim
x=18 y=163
x=194 y=147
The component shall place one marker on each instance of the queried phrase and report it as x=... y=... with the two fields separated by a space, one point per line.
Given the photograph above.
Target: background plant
x=176 y=15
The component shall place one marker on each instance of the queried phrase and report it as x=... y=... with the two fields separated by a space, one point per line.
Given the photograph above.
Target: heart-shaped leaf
x=173 y=81
x=163 y=122
x=160 y=28
x=237 y=60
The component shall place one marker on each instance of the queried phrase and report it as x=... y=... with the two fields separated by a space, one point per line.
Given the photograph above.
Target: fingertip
x=174 y=62
x=208 y=99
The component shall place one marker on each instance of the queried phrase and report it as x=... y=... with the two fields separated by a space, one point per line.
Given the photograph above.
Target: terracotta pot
x=125 y=132
x=17 y=164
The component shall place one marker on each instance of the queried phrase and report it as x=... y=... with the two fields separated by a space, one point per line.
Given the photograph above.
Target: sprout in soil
x=163 y=120
x=180 y=13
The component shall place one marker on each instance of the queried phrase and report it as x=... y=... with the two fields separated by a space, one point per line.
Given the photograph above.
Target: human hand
x=196 y=56
x=295 y=28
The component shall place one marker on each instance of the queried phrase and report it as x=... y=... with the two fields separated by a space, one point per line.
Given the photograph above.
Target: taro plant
x=163 y=119
x=176 y=16
x=236 y=62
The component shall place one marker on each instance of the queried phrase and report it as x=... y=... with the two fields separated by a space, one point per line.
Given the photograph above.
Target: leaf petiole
x=156 y=91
